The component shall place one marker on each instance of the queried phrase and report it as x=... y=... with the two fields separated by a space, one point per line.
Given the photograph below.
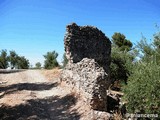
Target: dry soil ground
x=37 y=95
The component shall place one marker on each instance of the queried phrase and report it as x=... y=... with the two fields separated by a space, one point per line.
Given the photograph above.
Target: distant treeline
x=14 y=61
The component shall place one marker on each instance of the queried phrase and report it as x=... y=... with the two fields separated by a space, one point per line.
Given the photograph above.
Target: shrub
x=142 y=92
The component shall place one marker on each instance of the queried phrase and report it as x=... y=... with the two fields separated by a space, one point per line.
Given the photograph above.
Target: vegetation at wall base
x=142 y=92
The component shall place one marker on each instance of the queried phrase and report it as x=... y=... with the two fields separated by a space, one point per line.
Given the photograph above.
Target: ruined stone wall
x=88 y=53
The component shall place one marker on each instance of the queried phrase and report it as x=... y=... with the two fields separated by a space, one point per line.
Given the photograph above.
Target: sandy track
x=29 y=95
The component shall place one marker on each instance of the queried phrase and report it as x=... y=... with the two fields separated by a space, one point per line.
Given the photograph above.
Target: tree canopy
x=38 y=65
x=22 y=62
x=121 y=57
x=51 y=60
x=121 y=42
x=13 y=60
x=3 y=59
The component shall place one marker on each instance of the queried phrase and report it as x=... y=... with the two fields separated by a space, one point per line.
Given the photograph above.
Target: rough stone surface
x=87 y=42
x=98 y=115
x=88 y=53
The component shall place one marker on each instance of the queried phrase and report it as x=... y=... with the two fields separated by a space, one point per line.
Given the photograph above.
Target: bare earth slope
x=29 y=95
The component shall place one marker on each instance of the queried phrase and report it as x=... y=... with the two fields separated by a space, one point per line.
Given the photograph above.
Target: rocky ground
x=37 y=95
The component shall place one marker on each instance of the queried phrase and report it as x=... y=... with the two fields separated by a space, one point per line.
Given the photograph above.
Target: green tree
x=3 y=59
x=121 y=64
x=13 y=58
x=38 y=65
x=145 y=49
x=51 y=60
x=121 y=42
x=65 y=60
x=121 y=57
x=22 y=63
x=156 y=41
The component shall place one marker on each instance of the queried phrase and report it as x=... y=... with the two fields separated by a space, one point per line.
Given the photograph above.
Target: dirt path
x=29 y=95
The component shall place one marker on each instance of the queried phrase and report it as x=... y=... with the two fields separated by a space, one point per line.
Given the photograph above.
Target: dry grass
x=117 y=116
x=51 y=74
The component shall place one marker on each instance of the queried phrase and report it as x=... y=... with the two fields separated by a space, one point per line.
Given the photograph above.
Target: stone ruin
x=88 y=52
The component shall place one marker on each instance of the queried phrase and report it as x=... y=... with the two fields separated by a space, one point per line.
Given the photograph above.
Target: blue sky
x=34 y=27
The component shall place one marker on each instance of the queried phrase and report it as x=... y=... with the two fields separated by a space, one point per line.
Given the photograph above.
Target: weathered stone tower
x=88 y=52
